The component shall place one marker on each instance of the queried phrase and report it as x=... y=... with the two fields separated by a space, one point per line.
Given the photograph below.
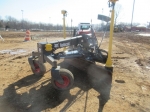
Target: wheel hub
x=37 y=68
x=66 y=82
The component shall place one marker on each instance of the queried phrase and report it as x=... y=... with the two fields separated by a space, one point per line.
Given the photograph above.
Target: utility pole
x=102 y=21
x=71 y=27
x=49 y=23
x=22 y=18
x=132 y=13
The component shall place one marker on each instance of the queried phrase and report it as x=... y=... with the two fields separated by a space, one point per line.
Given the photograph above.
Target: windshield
x=84 y=26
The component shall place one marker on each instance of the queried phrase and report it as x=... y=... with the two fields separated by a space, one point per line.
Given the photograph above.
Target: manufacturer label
x=64 y=44
x=56 y=45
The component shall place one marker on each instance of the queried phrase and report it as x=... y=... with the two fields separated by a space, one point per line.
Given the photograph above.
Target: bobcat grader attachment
x=83 y=48
x=83 y=51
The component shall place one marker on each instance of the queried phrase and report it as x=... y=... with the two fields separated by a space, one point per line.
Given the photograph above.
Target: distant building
x=139 y=28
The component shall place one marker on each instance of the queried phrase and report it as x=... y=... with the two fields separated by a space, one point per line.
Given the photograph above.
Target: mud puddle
x=13 y=52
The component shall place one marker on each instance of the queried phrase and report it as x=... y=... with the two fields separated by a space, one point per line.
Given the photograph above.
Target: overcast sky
x=49 y=11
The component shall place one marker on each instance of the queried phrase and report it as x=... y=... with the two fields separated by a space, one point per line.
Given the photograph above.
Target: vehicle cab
x=84 y=28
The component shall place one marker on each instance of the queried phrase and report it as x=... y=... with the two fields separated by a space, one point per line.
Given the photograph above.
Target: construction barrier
x=27 y=37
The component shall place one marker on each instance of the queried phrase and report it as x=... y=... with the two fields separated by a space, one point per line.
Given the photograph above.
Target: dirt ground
x=127 y=90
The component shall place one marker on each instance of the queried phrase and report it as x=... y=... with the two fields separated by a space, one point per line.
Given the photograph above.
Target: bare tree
x=118 y=9
x=13 y=23
x=1 y=22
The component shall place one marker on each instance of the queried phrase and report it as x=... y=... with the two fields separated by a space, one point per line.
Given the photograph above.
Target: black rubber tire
x=40 y=68
x=68 y=80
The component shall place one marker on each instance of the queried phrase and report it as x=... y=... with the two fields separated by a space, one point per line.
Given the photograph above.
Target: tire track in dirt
x=125 y=47
x=131 y=49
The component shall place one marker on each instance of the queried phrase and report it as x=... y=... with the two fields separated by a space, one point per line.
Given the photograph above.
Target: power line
x=132 y=13
x=22 y=18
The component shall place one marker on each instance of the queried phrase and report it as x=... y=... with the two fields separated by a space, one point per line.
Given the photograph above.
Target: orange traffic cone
x=27 y=37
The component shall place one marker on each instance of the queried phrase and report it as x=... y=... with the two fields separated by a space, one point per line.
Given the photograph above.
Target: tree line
x=12 y=23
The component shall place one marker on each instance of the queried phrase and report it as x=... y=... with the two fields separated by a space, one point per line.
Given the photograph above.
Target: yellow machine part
x=48 y=47
x=63 y=12
x=113 y=0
